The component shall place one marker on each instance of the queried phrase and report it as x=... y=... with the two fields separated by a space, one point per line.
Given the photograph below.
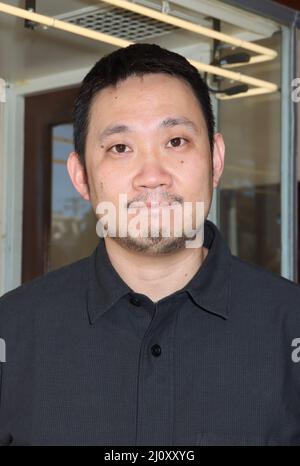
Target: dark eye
x=120 y=148
x=175 y=142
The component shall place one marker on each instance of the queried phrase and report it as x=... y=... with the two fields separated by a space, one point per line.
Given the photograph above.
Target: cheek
x=196 y=176
x=196 y=167
x=110 y=185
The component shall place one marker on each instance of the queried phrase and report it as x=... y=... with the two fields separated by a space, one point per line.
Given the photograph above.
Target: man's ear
x=78 y=176
x=218 y=158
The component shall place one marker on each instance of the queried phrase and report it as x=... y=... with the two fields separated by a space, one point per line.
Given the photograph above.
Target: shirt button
x=135 y=301
x=156 y=350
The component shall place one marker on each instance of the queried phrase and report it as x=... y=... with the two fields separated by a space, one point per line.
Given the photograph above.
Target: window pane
x=249 y=195
x=73 y=223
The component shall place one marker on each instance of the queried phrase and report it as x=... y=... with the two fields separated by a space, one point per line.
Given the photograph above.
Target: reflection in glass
x=73 y=222
x=249 y=193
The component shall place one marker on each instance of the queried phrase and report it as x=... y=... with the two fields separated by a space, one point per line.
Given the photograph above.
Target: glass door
x=249 y=196
x=58 y=226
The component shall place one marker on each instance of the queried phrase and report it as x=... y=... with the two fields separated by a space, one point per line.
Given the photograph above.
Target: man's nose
x=152 y=174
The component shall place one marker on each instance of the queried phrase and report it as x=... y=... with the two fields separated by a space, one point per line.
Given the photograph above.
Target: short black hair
x=136 y=60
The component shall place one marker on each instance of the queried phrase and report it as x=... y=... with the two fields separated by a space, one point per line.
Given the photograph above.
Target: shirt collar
x=209 y=288
x=106 y=287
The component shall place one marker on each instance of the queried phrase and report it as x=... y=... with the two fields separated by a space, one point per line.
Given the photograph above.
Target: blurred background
x=44 y=223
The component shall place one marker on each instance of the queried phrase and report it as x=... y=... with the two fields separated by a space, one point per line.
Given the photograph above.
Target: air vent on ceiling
x=117 y=22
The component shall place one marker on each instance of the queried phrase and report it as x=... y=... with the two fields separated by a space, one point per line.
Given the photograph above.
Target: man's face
x=163 y=155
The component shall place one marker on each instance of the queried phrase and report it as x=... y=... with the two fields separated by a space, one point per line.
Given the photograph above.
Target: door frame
x=38 y=175
x=289 y=156
x=12 y=169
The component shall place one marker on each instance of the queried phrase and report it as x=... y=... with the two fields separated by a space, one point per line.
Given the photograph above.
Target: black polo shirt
x=90 y=362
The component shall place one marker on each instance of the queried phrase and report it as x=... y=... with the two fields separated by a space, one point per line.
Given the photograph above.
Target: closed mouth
x=156 y=204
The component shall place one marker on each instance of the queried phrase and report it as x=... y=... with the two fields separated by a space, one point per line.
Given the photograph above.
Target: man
x=152 y=340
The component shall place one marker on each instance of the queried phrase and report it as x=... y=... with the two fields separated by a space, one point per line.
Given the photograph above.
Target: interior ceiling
x=27 y=54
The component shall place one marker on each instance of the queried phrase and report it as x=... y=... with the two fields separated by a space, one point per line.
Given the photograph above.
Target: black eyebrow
x=115 y=129
x=166 y=123
x=170 y=122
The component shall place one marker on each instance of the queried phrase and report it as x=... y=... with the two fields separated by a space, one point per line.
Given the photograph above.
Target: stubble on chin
x=152 y=245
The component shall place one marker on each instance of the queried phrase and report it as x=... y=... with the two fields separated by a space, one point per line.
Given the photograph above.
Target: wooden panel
x=41 y=113
x=290 y=3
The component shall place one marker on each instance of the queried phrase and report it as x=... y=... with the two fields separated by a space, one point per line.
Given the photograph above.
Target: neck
x=155 y=276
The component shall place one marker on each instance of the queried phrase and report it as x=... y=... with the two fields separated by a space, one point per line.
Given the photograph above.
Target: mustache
x=156 y=197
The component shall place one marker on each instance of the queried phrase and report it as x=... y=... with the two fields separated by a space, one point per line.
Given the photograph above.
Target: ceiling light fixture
x=261 y=86
x=265 y=53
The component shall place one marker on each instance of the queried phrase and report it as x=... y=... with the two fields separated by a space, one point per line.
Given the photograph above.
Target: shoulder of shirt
x=261 y=272
x=47 y=287
x=266 y=285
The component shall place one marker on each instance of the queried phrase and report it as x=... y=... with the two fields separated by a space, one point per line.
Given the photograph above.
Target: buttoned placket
x=155 y=375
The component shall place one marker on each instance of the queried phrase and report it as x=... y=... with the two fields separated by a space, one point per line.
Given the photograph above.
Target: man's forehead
x=108 y=113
